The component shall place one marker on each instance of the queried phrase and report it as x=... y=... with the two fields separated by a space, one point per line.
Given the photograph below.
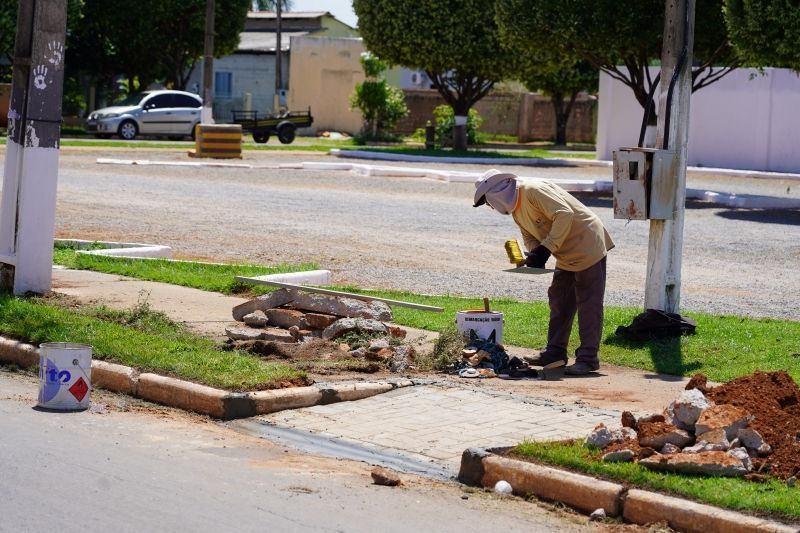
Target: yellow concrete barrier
x=222 y=141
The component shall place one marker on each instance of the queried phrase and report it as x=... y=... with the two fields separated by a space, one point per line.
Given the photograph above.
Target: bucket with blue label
x=65 y=370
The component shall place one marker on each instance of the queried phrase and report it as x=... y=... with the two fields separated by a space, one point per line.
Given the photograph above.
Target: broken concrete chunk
x=343 y=307
x=657 y=434
x=708 y=463
x=670 y=448
x=286 y=318
x=358 y=353
x=752 y=440
x=346 y=325
x=384 y=354
x=278 y=335
x=263 y=302
x=244 y=334
x=378 y=345
x=651 y=418
x=320 y=321
x=600 y=437
x=717 y=437
x=686 y=409
x=628 y=420
x=741 y=454
x=403 y=358
x=256 y=319
x=382 y=476
x=703 y=446
x=728 y=417
x=619 y=456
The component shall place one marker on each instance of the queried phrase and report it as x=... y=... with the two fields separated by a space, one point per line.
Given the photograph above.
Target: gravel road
x=417 y=234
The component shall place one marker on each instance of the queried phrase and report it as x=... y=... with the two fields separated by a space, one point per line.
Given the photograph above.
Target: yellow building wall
x=323 y=73
x=336 y=28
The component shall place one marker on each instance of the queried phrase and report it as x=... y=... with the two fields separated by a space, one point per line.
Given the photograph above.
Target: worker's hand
x=537 y=257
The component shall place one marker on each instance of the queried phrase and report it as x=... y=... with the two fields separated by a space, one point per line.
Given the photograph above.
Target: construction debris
x=387 y=478
x=747 y=427
x=317 y=324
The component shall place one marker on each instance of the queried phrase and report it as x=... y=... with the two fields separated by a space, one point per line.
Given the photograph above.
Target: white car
x=165 y=113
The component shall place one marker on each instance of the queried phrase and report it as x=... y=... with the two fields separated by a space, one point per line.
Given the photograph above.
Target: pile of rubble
x=289 y=316
x=747 y=427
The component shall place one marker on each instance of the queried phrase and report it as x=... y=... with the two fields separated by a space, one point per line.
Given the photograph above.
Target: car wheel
x=261 y=138
x=194 y=132
x=128 y=130
x=286 y=134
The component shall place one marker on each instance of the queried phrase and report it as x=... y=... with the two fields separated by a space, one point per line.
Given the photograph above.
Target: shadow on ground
x=787 y=217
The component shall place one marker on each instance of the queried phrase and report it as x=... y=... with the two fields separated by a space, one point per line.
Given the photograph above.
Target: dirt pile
x=773 y=398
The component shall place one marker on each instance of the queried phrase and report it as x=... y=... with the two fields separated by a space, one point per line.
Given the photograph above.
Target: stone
x=244 y=334
x=651 y=418
x=717 y=437
x=647 y=452
x=600 y=437
x=597 y=514
x=752 y=440
x=278 y=335
x=619 y=456
x=670 y=448
x=698 y=381
x=657 y=434
x=707 y=463
x=384 y=354
x=728 y=417
x=703 y=446
x=628 y=420
x=741 y=454
x=320 y=321
x=343 y=307
x=387 y=478
x=358 y=353
x=736 y=443
x=256 y=319
x=294 y=331
x=286 y=318
x=503 y=487
x=263 y=302
x=377 y=345
x=686 y=409
x=397 y=333
x=791 y=482
x=403 y=359
x=346 y=325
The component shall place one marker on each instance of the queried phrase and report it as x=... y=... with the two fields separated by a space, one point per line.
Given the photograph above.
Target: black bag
x=655 y=324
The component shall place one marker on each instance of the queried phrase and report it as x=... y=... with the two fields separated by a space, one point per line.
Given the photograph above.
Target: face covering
x=503 y=196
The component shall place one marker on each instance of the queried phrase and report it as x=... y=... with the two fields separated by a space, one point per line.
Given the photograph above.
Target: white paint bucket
x=65 y=371
x=482 y=323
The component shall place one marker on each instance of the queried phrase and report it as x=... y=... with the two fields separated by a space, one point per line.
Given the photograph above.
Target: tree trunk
x=562 y=111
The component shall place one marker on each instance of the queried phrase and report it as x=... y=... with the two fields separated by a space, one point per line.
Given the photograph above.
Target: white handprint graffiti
x=39 y=73
x=56 y=53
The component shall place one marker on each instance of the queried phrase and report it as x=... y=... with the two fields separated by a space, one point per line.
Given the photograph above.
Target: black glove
x=537 y=257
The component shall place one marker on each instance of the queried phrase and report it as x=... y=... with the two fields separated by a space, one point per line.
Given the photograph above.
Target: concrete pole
x=208 y=67
x=663 y=286
x=30 y=178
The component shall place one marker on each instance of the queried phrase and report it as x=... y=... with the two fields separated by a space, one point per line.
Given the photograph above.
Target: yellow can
x=514 y=252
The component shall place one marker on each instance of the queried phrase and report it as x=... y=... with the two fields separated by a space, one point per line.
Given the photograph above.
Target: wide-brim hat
x=487 y=182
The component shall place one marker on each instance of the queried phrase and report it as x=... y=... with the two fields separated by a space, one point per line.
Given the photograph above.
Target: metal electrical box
x=645 y=184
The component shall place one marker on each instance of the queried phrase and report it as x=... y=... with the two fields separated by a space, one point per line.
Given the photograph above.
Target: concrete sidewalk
x=435 y=420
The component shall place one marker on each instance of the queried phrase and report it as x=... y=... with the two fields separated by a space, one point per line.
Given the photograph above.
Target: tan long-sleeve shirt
x=548 y=215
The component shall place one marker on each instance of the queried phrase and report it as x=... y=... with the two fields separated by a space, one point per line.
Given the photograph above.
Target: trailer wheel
x=261 y=137
x=286 y=133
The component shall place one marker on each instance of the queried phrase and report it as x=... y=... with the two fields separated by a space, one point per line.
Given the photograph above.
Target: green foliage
x=447 y=350
x=622 y=38
x=445 y=121
x=381 y=104
x=773 y=497
x=765 y=32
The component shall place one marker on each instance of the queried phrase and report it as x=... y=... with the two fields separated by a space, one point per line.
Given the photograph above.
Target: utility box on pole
x=30 y=178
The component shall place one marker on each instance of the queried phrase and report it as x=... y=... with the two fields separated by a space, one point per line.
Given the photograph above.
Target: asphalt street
x=416 y=234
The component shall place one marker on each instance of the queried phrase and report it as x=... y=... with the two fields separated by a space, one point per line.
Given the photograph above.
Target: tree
x=562 y=82
x=622 y=38
x=270 y=5
x=765 y=32
x=454 y=41
x=381 y=104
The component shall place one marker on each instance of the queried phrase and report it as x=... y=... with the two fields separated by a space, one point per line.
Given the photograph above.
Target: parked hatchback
x=164 y=113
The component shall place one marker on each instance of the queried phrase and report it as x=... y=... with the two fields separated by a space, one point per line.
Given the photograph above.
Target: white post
x=663 y=287
x=206 y=113
x=30 y=179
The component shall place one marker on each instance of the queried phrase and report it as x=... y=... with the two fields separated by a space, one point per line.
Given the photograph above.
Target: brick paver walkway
x=437 y=422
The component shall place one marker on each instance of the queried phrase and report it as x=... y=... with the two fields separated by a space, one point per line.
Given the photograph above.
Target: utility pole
x=276 y=106
x=30 y=178
x=663 y=286
x=208 y=66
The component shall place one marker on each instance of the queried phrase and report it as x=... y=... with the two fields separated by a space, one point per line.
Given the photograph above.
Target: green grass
x=723 y=348
x=142 y=339
x=205 y=276
x=773 y=497
x=493 y=154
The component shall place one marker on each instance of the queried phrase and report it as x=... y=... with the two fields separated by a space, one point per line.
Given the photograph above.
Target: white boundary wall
x=744 y=121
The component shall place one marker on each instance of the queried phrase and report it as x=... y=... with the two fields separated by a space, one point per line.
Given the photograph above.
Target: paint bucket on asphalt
x=65 y=370
x=483 y=323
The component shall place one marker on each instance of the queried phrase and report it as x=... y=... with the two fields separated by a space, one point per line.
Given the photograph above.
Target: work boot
x=545 y=359
x=581 y=368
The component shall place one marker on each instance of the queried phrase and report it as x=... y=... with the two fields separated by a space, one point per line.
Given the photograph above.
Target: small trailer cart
x=264 y=125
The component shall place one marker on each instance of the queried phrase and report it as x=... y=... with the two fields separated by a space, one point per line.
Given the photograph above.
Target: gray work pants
x=580 y=292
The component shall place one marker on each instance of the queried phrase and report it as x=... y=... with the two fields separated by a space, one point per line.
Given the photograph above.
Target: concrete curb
x=202 y=399
x=119 y=249
x=482 y=468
